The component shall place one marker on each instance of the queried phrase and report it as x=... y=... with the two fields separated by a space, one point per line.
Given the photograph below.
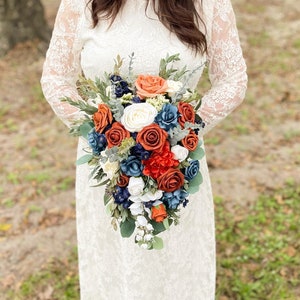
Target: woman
x=86 y=38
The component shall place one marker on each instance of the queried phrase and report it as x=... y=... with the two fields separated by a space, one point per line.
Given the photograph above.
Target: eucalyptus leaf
x=101 y=183
x=127 y=228
x=195 y=184
x=84 y=159
x=198 y=153
x=158 y=227
x=107 y=198
x=166 y=223
x=85 y=128
x=158 y=243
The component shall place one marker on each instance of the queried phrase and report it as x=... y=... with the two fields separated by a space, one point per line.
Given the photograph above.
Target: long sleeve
x=227 y=69
x=62 y=66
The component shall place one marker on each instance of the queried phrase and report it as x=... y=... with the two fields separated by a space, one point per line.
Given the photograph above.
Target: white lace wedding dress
x=111 y=267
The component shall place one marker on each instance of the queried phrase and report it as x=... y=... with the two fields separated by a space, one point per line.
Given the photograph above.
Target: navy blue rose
x=120 y=86
x=132 y=166
x=192 y=170
x=97 y=141
x=121 y=197
x=172 y=200
x=136 y=99
x=167 y=117
x=140 y=152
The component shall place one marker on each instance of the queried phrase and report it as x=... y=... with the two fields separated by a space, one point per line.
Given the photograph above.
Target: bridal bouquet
x=143 y=145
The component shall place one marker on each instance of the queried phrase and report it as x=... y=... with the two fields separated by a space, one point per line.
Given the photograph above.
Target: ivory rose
x=150 y=86
x=116 y=134
x=173 y=87
x=108 y=167
x=102 y=117
x=137 y=116
x=152 y=137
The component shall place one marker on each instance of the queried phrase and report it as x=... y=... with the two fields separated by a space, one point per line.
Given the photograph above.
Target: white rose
x=180 y=153
x=136 y=208
x=136 y=186
x=173 y=87
x=109 y=168
x=138 y=238
x=137 y=116
x=147 y=197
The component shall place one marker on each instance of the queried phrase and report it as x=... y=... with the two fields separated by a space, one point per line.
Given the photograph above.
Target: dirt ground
x=255 y=150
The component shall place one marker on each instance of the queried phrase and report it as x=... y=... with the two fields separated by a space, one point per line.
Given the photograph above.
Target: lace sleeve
x=227 y=69
x=62 y=66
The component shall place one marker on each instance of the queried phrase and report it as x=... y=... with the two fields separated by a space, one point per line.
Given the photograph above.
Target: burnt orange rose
x=123 y=180
x=116 y=134
x=159 y=213
x=170 y=181
x=150 y=86
x=190 y=142
x=187 y=113
x=102 y=117
x=152 y=137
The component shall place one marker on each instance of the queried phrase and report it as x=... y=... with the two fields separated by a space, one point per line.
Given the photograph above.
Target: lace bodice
x=76 y=46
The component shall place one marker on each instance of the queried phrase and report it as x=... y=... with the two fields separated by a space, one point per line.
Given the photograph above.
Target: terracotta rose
x=159 y=213
x=170 y=181
x=190 y=141
x=187 y=113
x=116 y=134
x=150 y=86
x=102 y=117
x=123 y=180
x=152 y=137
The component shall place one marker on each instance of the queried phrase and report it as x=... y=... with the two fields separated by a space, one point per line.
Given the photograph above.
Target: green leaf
x=127 y=228
x=101 y=183
x=158 y=243
x=166 y=223
x=198 y=153
x=195 y=184
x=85 y=128
x=106 y=198
x=84 y=159
x=158 y=227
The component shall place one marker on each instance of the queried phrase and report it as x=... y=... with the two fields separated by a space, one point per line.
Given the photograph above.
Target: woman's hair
x=179 y=16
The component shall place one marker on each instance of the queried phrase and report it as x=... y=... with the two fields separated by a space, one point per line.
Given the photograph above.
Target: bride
x=87 y=36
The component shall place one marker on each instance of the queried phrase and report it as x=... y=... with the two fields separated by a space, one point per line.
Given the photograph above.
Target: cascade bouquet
x=143 y=146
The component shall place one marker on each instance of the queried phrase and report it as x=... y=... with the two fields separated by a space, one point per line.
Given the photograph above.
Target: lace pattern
x=111 y=267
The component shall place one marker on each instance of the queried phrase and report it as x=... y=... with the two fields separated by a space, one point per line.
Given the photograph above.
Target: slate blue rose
x=97 y=141
x=172 y=200
x=132 y=166
x=192 y=170
x=167 y=117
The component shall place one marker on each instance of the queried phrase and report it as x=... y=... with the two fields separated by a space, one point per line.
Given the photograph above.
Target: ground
x=254 y=152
